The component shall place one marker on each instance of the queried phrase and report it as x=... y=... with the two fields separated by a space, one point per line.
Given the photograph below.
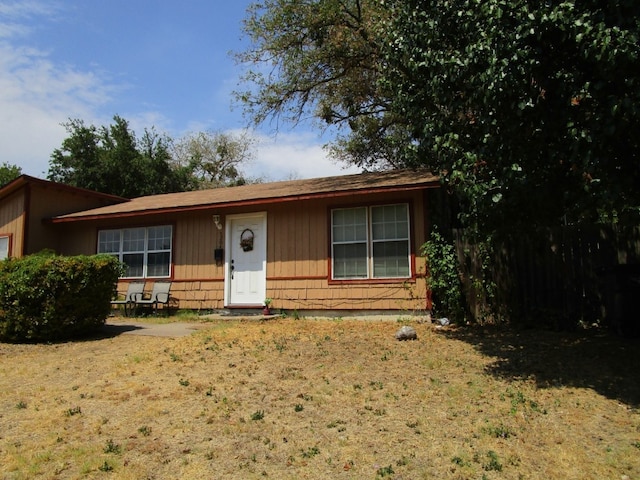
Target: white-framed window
x=4 y=247
x=146 y=251
x=370 y=242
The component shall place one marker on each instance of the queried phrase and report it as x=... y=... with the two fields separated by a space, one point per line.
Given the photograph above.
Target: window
x=146 y=251
x=370 y=242
x=4 y=247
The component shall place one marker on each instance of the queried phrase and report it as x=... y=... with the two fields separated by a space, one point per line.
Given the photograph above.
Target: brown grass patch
x=292 y=399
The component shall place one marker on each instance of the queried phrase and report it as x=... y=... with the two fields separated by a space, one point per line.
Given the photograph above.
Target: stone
x=406 y=333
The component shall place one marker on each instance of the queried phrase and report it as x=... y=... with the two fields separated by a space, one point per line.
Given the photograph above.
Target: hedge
x=45 y=298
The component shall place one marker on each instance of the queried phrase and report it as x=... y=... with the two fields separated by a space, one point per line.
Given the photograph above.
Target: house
x=345 y=243
x=27 y=200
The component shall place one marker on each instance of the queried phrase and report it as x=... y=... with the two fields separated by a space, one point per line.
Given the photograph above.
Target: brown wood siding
x=298 y=259
x=12 y=221
x=195 y=238
x=46 y=202
x=316 y=294
x=298 y=246
x=77 y=240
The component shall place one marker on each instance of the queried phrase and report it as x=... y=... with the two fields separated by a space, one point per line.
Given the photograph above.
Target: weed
x=413 y=424
x=257 y=415
x=144 y=431
x=376 y=385
x=281 y=344
x=21 y=405
x=175 y=358
x=501 y=431
x=299 y=407
x=536 y=408
x=357 y=386
x=404 y=460
x=339 y=424
x=493 y=463
x=105 y=467
x=184 y=382
x=636 y=444
x=385 y=471
x=456 y=460
x=310 y=452
x=112 y=447
x=73 y=411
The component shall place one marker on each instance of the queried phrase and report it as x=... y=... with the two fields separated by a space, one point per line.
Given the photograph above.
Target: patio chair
x=159 y=295
x=134 y=293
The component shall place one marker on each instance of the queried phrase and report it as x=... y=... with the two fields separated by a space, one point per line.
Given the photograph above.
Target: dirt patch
x=292 y=399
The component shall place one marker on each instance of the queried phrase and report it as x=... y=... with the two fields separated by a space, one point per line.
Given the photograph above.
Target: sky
x=165 y=64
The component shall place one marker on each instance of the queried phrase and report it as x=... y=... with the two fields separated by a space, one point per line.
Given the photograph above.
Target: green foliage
x=112 y=160
x=8 y=173
x=444 y=278
x=527 y=110
x=112 y=447
x=257 y=415
x=51 y=298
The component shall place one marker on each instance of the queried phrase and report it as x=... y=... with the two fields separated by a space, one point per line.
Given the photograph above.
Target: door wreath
x=246 y=240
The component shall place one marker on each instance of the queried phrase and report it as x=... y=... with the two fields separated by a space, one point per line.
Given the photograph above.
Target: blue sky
x=162 y=64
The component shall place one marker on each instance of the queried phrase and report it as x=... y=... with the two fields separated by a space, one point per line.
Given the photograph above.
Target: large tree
x=8 y=173
x=322 y=60
x=213 y=159
x=112 y=160
x=528 y=110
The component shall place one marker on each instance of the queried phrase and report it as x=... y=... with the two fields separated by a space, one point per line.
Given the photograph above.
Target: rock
x=406 y=333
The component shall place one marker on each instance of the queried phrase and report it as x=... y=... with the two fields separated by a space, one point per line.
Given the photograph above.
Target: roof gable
x=24 y=181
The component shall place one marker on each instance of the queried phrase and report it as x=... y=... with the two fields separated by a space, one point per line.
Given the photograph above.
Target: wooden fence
x=560 y=278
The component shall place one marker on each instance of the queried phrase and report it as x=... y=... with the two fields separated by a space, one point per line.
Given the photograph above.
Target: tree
x=8 y=173
x=527 y=110
x=213 y=159
x=111 y=160
x=322 y=59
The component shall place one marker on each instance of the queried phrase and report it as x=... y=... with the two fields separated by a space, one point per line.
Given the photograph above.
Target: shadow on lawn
x=598 y=360
x=110 y=330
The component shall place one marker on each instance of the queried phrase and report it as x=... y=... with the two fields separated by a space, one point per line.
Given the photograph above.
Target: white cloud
x=294 y=155
x=13 y=16
x=36 y=96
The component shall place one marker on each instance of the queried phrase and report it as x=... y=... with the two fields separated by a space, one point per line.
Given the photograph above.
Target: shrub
x=444 y=277
x=50 y=298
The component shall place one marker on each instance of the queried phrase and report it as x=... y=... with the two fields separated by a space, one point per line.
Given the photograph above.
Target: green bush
x=444 y=278
x=51 y=298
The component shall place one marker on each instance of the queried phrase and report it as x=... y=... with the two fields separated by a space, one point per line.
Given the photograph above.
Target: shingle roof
x=261 y=193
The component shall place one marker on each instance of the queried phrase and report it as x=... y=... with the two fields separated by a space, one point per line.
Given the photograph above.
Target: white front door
x=246 y=260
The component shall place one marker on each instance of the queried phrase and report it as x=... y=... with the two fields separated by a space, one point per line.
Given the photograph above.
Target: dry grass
x=292 y=399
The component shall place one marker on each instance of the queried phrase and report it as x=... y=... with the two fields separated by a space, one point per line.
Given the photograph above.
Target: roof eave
x=249 y=202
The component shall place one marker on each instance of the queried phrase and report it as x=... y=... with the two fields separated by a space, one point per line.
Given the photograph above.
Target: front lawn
x=322 y=399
